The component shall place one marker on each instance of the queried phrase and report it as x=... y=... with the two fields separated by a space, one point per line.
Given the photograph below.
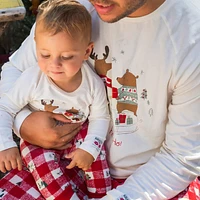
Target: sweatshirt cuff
x=92 y=146
x=7 y=145
x=115 y=195
x=19 y=119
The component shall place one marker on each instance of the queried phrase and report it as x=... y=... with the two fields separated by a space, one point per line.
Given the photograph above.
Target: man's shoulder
x=182 y=21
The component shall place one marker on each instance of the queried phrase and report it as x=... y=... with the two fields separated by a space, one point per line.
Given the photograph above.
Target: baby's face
x=59 y=56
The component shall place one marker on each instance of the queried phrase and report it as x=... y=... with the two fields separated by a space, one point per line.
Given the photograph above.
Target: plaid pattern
x=46 y=175
x=44 y=165
x=20 y=185
x=98 y=178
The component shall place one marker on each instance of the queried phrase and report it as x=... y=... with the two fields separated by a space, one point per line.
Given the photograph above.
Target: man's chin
x=109 y=19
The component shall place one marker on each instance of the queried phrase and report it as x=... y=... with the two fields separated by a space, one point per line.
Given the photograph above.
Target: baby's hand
x=10 y=159
x=81 y=159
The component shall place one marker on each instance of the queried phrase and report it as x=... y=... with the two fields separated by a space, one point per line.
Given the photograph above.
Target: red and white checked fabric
x=98 y=178
x=49 y=176
x=54 y=182
x=20 y=185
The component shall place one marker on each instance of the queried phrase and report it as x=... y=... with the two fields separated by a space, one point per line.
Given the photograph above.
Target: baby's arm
x=81 y=159
x=9 y=153
x=99 y=120
x=10 y=159
x=11 y=103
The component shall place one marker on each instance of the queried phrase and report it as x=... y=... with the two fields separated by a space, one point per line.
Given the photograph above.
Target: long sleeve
x=11 y=103
x=99 y=120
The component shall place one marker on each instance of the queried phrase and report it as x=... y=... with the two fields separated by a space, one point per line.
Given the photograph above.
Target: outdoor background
x=16 y=31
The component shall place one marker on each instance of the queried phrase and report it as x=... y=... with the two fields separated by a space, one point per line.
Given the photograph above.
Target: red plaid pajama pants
x=54 y=181
x=20 y=185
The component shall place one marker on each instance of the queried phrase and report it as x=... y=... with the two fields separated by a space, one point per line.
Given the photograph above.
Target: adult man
x=149 y=63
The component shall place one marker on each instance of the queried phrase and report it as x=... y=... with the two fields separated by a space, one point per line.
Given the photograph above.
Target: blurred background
x=15 y=32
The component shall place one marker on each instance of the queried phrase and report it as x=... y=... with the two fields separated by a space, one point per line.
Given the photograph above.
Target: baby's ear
x=89 y=50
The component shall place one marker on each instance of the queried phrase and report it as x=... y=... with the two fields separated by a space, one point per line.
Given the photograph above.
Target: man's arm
x=48 y=130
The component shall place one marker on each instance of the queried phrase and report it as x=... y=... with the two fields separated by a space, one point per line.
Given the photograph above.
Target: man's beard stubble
x=131 y=7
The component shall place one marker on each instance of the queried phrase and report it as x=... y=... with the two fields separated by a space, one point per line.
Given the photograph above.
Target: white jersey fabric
x=37 y=90
x=151 y=66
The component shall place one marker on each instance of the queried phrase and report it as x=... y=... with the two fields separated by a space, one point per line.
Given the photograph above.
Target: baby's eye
x=45 y=56
x=67 y=57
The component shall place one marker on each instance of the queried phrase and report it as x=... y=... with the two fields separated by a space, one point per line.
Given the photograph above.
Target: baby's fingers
x=19 y=163
x=85 y=168
x=2 y=167
x=71 y=165
x=16 y=163
x=8 y=165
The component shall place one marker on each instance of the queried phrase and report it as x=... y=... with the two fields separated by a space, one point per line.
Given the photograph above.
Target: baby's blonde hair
x=65 y=16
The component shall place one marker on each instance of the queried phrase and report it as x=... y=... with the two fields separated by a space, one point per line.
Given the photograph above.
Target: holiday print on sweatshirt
x=126 y=96
x=122 y=90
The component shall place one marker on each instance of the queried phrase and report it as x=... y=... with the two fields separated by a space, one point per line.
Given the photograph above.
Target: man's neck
x=147 y=8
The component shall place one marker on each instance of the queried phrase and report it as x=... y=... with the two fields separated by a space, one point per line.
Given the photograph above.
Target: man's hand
x=48 y=130
x=81 y=159
x=10 y=159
